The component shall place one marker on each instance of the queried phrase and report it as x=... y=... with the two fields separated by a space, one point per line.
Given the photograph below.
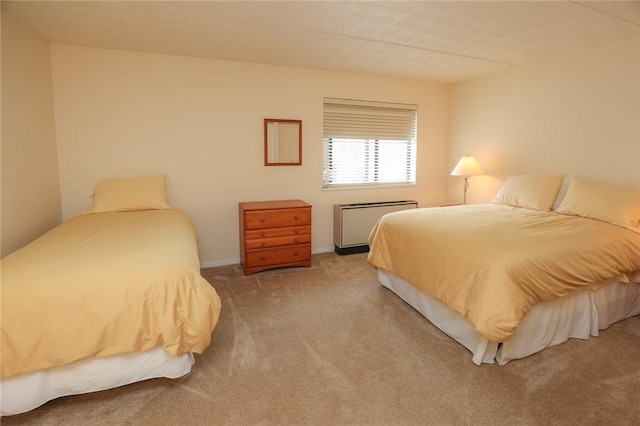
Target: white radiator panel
x=352 y=223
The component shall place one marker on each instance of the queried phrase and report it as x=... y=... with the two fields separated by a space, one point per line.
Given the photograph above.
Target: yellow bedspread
x=492 y=263
x=105 y=284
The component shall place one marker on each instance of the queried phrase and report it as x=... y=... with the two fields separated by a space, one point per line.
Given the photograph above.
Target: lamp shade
x=467 y=166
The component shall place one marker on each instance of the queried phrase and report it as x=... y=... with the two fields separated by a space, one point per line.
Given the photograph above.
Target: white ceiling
x=435 y=40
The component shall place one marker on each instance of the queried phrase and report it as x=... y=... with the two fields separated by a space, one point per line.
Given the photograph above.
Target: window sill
x=377 y=186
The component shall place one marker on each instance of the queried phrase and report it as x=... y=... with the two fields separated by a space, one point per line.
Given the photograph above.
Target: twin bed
x=108 y=298
x=508 y=279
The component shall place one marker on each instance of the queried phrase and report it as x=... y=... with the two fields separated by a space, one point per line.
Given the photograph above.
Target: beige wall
x=30 y=186
x=576 y=114
x=200 y=122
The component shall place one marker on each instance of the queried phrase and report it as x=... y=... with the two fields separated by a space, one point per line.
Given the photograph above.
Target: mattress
x=492 y=263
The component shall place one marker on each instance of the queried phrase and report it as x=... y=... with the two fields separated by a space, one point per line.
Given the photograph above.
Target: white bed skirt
x=25 y=392
x=547 y=324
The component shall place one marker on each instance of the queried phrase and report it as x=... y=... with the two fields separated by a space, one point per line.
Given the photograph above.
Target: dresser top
x=270 y=205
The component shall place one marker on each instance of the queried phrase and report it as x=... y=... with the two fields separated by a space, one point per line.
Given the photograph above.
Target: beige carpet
x=328 y=345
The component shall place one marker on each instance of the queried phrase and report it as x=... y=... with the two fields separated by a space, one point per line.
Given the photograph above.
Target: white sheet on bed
x=547 y=324
x=24 y=392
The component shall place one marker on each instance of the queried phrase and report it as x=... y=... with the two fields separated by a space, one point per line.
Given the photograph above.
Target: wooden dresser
x=274 y=234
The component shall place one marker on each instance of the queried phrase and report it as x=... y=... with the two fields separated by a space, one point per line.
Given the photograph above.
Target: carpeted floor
x=328 y=345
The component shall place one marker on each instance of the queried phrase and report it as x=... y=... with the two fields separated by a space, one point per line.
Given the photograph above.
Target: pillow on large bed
x=537 y=192
x=130 y=194
x=608 y=203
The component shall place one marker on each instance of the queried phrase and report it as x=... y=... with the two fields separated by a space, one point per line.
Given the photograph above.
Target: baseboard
x=221 y=262
x=236 y=260
x=322 y=250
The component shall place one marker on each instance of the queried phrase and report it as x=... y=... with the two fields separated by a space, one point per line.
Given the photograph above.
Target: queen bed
x=508 y=279
x=108 y=298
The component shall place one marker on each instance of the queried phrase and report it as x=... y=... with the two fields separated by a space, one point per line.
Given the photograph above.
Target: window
x=368 y=143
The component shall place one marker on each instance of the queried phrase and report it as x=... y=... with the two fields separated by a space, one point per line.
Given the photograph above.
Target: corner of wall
x=30 y=199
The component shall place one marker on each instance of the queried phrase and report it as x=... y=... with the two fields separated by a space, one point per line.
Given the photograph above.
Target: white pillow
x=130 y=194
x=537 y=192
x=609 y=203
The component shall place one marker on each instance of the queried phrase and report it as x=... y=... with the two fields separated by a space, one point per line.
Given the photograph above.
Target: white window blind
x=369 y=143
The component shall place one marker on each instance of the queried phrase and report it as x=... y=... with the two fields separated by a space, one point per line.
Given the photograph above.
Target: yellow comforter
x=492 y=263
x=105 y=284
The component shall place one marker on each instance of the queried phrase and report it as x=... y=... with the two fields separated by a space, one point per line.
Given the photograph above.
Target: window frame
x=348 y=120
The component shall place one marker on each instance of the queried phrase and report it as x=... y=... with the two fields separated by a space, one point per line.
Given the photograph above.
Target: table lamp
x=467 y=166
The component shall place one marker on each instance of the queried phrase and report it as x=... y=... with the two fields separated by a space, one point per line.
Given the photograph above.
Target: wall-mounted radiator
x=352 y=223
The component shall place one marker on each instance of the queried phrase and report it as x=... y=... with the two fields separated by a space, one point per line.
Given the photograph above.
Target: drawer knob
x=263 y=258
x=295 y=217
x=263 y=244
x=262 y=234
x=295 y=254
x=262 y=219
x=295 y=231
x=296 y=240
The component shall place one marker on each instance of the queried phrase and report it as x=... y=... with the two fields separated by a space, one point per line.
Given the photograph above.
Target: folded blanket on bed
x=105 y=284
x=493 y=263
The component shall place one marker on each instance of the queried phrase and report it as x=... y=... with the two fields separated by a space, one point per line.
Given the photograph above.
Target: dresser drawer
x=277 y=232
x=278 y=256
x=276 y=218
x=287 y=240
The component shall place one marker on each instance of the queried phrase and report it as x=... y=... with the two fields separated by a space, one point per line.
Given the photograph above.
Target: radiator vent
x=352 y=223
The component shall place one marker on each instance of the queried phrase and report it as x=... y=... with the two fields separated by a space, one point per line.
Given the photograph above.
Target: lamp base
x=466 y=186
